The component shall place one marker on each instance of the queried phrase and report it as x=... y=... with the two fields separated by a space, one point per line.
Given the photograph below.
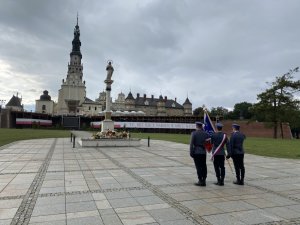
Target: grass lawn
x=10 y=135
x=273 y=147
x=258 y=146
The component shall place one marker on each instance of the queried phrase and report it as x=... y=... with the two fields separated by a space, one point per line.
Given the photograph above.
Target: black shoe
x=197 y=183
x=237 y=182
x=218 y=182
x=222 y=182
x=241 y=182
x=203 y=183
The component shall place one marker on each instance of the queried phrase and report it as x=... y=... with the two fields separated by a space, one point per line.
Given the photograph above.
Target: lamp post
x=2 y=101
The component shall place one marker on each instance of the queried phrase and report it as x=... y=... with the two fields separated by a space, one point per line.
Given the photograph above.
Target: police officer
x=197 y=151
x=237 y=153
x=219 y=140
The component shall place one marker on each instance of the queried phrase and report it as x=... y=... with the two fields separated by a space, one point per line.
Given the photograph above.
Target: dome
x=45 y=96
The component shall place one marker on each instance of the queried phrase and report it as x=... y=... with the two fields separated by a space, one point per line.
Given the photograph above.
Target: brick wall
x=257 y=129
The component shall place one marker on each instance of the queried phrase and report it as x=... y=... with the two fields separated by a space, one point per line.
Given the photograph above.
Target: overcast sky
x=217 y=53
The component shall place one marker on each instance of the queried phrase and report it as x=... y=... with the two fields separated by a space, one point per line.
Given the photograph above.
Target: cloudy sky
x=217 y=53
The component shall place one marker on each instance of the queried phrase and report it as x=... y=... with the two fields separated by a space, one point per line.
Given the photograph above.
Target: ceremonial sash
x=220 y=146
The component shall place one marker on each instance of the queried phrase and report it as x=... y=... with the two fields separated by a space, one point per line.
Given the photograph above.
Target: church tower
x=73 y=91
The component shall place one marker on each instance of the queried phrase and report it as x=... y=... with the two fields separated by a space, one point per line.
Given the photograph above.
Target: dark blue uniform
x=198 y=153
x=219 y=158
x=237 y=153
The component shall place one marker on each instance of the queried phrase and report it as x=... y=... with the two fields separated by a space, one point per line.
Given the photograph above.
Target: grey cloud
x=217 y=53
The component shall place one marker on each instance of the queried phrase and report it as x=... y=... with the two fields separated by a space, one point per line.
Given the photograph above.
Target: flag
x=210 y=129
x=208 y=125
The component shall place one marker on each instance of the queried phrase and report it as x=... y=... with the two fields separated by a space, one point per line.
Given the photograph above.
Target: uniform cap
x=235 y=125
x=219 y=125
x=199 y=123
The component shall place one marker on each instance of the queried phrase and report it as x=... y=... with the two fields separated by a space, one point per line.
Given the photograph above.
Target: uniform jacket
x=198 y=139
x=236 y=143
x=216 y=140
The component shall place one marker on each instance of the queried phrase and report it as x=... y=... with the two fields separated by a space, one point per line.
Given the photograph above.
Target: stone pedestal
x=109 y=142
x=107 y=125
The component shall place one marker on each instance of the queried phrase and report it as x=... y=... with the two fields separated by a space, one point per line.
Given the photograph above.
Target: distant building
x=152 y=106
x=72 y=93
x=44 y=104
x=15 y=104
x=72 y=99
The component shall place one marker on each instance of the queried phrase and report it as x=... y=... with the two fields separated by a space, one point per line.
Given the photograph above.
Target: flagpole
x=229 y=164
x=212 y=125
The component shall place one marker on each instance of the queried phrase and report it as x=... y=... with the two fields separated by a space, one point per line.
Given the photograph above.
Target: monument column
x=107 y=123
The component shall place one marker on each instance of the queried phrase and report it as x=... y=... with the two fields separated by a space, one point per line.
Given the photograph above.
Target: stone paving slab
x=47 y=181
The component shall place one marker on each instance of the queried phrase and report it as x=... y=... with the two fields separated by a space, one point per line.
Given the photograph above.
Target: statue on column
x=110 y=70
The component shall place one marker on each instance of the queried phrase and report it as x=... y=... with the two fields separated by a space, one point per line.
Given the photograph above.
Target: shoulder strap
x=220 y=146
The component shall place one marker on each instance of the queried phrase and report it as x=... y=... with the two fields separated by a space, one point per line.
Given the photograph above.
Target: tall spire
x=77 y=19
x=76 y=41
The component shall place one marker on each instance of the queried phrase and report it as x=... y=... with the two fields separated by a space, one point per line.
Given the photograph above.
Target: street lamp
x=2 y=102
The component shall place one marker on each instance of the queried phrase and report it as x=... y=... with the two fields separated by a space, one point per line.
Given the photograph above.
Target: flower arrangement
x=111 y=134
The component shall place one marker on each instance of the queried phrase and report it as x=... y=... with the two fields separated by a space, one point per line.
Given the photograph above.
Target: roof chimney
x=137 y=95
x=145 y=96
x=166 y=98
x=152 y=97
x=175 y=99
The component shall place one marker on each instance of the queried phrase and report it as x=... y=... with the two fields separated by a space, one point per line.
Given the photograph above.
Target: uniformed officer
x=219 y=140
x=197 y=151
x=237 y=153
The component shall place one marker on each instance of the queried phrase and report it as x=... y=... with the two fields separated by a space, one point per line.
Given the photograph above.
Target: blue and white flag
x=208 y=125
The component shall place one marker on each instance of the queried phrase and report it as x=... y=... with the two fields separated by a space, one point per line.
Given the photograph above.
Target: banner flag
x=208 y=125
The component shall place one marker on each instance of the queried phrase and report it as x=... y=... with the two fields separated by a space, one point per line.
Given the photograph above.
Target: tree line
x=276 y=105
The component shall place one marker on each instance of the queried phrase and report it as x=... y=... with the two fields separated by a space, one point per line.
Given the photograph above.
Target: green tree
x=277 y=104
x=294 y=122
x=219 y=112
x=242 y=110
x=199 y=111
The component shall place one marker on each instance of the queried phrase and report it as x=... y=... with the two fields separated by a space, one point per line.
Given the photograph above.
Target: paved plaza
x=47 y=182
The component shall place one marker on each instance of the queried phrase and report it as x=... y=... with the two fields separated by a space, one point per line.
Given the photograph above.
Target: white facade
x=73 y=91
x=42 y=106
x=89 y=108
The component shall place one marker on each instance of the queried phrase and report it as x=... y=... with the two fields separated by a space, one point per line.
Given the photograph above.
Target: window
x=146 y=102
x=173 y=105
x=43 y=107
x=95 y=108
x=89 y=107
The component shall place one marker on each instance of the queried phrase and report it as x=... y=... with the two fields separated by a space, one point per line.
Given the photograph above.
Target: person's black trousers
x=238 y=161
x=219 y=166
x=200 y=163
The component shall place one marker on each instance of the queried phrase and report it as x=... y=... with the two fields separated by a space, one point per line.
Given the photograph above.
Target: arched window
x=43 y=107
